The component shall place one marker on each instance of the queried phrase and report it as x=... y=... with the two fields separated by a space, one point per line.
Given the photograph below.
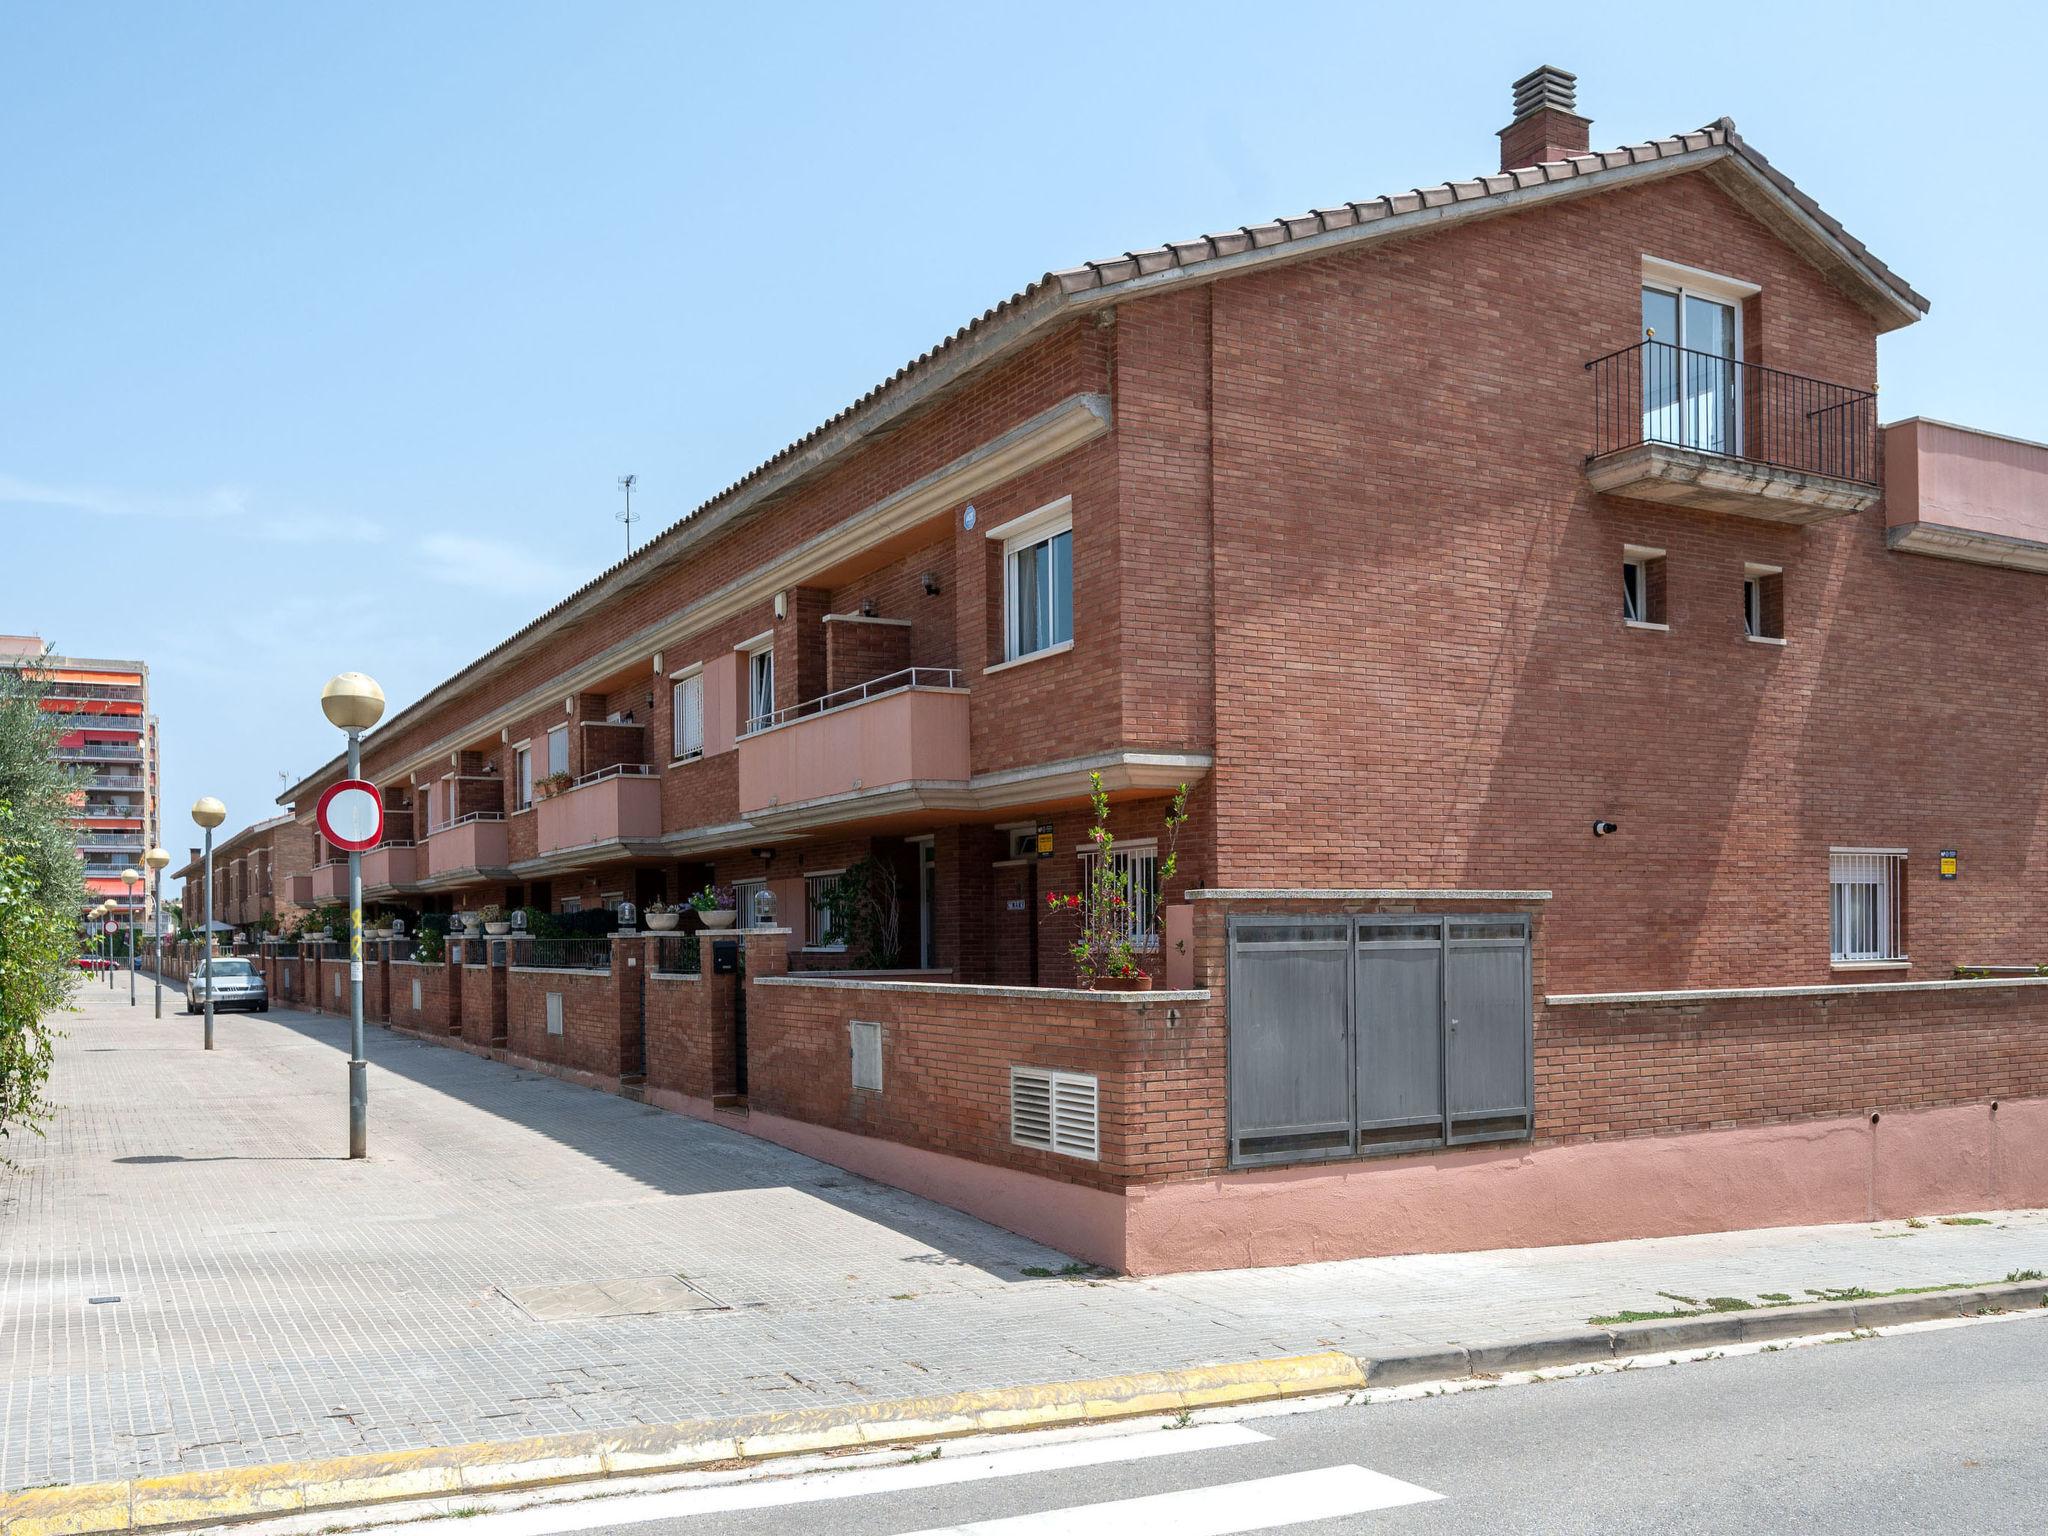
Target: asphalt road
x=1937 y=1431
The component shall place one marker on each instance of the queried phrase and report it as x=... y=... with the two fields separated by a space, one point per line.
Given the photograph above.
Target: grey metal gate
x=1377 y=1034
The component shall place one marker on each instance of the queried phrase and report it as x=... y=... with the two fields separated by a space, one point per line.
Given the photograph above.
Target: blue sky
x=329 y=328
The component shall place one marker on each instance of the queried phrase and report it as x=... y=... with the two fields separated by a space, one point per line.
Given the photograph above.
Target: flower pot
x=496 y=930
x=723 y=919
x=1142 y=982
x=663 y=922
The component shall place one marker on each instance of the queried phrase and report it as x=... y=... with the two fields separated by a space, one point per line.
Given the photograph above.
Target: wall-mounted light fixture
x=931 y=583
x=868 y=608
x=1604 y=828
x=781 y=606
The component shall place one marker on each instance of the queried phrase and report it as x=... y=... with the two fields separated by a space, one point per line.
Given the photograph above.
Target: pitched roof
x=1057 y=296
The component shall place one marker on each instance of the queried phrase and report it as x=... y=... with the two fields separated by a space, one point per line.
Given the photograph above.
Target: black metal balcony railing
x=1654 y=392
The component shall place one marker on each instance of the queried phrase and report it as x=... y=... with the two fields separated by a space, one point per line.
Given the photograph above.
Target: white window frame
x=1882 y=873
x=558 y=733
x=1139 y=856
x=818 y=919
x=1683 y=282
x=686 y=702
x=1637 y=558
x=522 y=774
x=1040 y=526
x=1753 y=579
x=760 y=658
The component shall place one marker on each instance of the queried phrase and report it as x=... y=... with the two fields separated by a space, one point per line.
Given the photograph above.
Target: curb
x=496 y=1466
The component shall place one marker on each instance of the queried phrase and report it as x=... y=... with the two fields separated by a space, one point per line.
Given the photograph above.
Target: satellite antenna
x=626 y=484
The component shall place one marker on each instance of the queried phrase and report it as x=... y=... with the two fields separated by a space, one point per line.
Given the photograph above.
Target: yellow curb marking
x=240 y=1493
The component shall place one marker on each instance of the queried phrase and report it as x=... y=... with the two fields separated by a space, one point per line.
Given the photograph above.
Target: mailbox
x=725 y=957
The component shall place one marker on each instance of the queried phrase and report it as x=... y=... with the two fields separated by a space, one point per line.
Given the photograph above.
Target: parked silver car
x=236 y=984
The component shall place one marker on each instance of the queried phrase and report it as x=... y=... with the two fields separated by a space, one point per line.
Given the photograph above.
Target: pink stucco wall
x=390 y=866
x=1956 y=478
x=917 y=734
x=628 y=806
x=472 y=845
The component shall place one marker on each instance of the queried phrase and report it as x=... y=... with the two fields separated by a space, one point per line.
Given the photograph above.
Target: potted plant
x=495 y=921
x=714 y=906
x=1105 y=960
x=552 y=785
x=662 y=917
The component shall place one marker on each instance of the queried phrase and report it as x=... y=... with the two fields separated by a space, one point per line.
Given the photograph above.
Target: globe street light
x=158 y=860
x=209 y=813
x=101 y=914
x=353 y=703
x=131 y=877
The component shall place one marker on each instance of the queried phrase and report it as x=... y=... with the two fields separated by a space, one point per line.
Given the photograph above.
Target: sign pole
x=206 y=939
x=156 y=900
x=358 y=1070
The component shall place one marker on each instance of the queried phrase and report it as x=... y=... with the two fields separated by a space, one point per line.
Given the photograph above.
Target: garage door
x=1377 y=1034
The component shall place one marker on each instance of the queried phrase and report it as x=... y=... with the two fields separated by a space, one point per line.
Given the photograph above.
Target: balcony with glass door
x=1681 y=418
x=896 y=743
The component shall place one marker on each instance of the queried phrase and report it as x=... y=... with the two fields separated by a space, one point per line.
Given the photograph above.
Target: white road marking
x=1258 y=1504
x=814 y=1487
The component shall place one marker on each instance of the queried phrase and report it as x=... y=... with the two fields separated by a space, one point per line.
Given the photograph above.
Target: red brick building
x=1612 y=812
x=262 y=877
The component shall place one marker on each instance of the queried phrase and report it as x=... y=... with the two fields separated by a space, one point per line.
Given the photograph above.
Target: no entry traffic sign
x=351 y=816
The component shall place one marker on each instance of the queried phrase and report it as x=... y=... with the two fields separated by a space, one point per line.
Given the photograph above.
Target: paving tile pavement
x=191 y=1276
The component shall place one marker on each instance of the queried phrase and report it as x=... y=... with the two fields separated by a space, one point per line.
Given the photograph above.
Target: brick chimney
x=1547 y=125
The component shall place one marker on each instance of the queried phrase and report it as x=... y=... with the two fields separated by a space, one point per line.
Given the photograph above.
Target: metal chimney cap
x=1547 y=86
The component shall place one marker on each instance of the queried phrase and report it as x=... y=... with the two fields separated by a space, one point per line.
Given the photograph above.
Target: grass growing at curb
x=1770 y=1299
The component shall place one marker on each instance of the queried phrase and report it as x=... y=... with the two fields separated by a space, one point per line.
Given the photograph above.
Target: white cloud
x=220 y=501
x=463 y=561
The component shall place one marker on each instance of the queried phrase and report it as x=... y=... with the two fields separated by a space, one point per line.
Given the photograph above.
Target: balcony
x=101 y=752
x=330 y=882
x=898 y=743
x=468 y=849
x=618 y=804
x=1964 y=495
x=298 y=890
x=391 y=866
x=1692 y=429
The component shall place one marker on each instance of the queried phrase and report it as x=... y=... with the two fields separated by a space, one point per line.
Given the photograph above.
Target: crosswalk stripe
x=771 y=1493
x=1257 y=1504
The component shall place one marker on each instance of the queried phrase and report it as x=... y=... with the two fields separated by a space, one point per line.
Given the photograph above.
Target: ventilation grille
x=554 y=1013
x=866 y=1042
x=415 y=994
x=1056 y=1111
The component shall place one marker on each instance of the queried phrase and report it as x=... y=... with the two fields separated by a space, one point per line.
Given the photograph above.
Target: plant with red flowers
x=1103 y=948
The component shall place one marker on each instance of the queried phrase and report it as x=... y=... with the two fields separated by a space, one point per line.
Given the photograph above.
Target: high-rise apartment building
x=108 y=736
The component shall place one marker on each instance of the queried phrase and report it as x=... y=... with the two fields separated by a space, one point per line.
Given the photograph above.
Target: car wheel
x=263 y=1007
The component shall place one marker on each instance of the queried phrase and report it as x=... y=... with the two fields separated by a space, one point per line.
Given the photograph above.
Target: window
x=1763 y=602
x=522 y=776
x=687 y=698
x=1138 y=865
x=818 y=932
x=558 y=750
x=1867 y=889
x=1055 y=1111
x=1038 y=579
x=760 y=687
x=1642 y=586
x=1692 y=346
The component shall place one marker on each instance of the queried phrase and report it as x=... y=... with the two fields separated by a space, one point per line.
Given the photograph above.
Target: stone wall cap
x=1837 y=989
x=968 y=989
x=1375 y=893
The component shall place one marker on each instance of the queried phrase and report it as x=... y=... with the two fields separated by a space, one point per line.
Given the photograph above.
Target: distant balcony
x=390 y=866
x=1964 y=495
x=617 y=804
x=298 y=890
x=470 y=846
x=98 y=751
x=899 y=742
x=1693 y=429
x=330 y=882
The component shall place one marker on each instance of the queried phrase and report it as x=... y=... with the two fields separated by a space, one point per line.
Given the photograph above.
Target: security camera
x=1604 y=828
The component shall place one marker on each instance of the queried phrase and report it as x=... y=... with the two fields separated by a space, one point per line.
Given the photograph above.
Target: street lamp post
x=131 y=877
x=209 y=813
x=102 y=913
x=354 y=703
x=158 y=859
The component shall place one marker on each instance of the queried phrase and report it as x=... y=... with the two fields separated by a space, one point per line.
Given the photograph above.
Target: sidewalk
x=193 y=1279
